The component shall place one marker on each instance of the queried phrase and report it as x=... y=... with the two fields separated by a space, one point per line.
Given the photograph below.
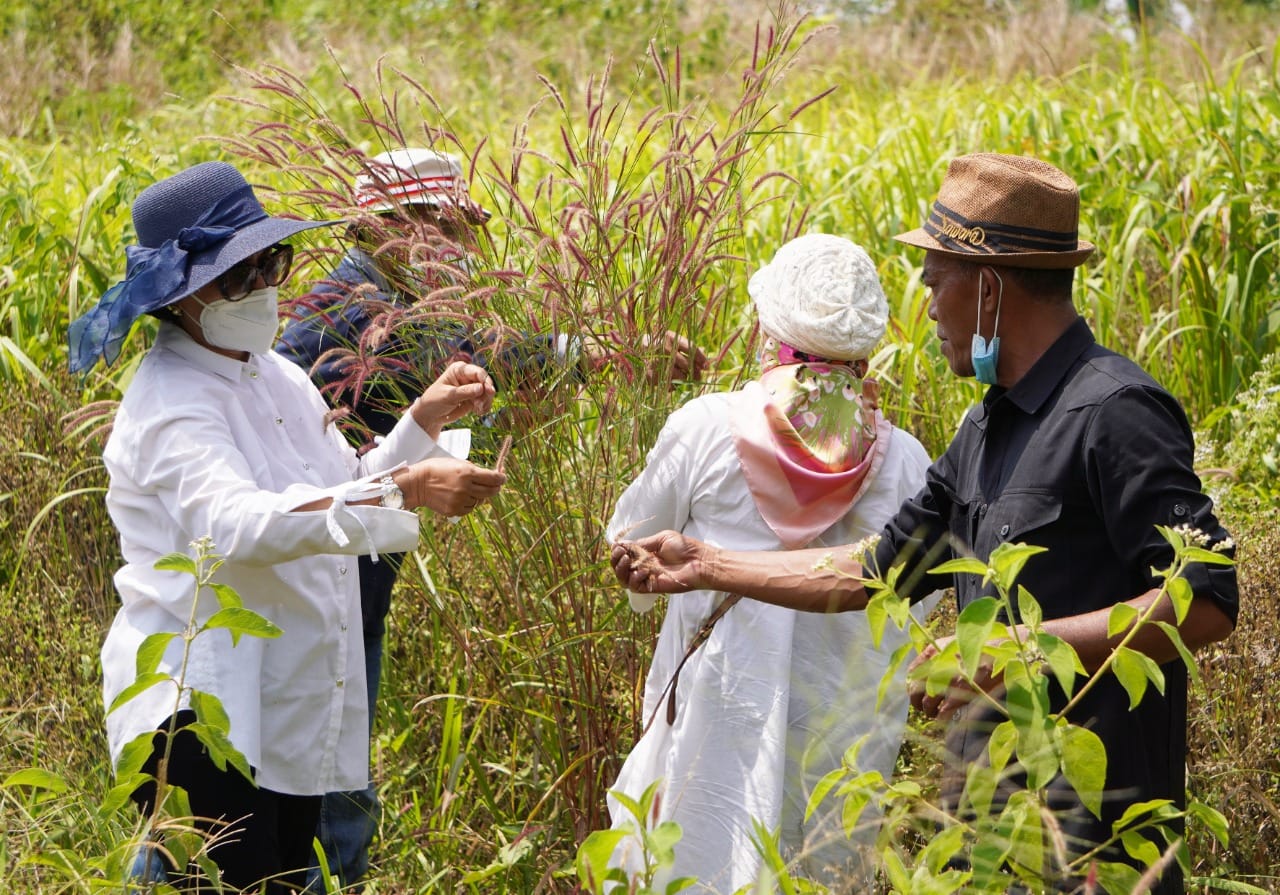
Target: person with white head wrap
x=768 y=704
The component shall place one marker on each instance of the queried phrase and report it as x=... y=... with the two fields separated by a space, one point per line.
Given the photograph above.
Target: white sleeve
x=205 y=484
x=659 y=498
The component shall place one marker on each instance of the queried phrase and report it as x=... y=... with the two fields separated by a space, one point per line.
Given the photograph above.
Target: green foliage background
x=513 y=672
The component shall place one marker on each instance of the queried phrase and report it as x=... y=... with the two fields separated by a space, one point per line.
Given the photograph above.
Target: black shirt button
x=1004 y=531
x=1180 y=510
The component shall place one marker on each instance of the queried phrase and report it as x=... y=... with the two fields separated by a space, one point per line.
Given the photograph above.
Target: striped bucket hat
x=1005 y=209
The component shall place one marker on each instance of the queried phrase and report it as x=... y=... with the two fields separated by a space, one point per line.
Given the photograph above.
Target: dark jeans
x=268 y=836
x=348 y=820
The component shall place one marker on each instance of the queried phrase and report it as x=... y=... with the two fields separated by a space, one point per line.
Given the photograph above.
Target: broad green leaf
x=877 y=613
x=899 y=878
x=209 y=710
x=1063 y=661
x=1175 y=637
x=1211 y=819
x=1007 y=561
x=890 y=681
x=1134 y=669
x=1117 y=878
x=240 y=622
x=1181 y=595
x=151 y=651
x=176 y=562
x=221 y=751
x=37 y=778
x=1084 y=764
x=140 y=684
x=1028 y=609
x=942 y=848
x=135 y=753
x=227 y=596
x=1138 y=811
x=633 y=807
x=594 y=854
x=121 y=794
x=851 y=809
x=980 y=787
x=1140 y=847
x=1121 y=618
x=1001 y=744
x=1209 y=557
x=823 y=787
x=973 y=630
x=662 y=840
x=965 y=565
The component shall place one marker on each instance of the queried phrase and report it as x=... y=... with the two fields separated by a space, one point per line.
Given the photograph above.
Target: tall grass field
x=641 y=160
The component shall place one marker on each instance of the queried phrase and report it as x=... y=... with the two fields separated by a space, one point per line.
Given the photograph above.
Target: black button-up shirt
x=1084 y=455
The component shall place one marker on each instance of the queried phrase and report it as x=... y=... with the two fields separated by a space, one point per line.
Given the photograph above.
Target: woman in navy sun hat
x=218 y=437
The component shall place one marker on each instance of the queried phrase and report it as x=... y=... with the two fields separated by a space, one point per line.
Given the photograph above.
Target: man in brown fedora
x=1073 y=448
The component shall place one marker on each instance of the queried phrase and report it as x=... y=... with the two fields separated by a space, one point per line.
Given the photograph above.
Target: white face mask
x=249 y=324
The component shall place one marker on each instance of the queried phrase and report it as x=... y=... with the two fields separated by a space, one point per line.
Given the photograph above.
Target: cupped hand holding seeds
x=665 y=563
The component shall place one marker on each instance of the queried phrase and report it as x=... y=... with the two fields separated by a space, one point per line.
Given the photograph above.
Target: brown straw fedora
x=1007 y=210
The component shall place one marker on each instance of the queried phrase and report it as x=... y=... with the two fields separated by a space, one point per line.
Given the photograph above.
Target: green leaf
x=824 y=786
x=1116 y=877
x=1001 y=744
x=36 y=778
x=1063 y=661
x=152 y=651
x=1007 y=561
x=1134 y=670
x=1175 y=637
x=220 y=749
x=965 y=565
x=176 y=562
x=942 y=848
x=140 y=684
x=135 y=753
x=594 y=854
x=1121 y=617
x=240 y=622
x=1210 y=557
x=973 y=630
x=1084 y=764
x=227 y=596
x=1139 y=811
x=1211 y=819
x=662 y=841
x=1139 y=847
x=1181 y=595
x=121 y=794
x=1029 y=609
x=209 y=711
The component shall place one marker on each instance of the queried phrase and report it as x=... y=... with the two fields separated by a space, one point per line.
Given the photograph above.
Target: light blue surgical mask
x=986 y=356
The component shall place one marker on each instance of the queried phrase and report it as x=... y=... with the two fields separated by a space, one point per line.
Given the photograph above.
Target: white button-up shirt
x=205 y=445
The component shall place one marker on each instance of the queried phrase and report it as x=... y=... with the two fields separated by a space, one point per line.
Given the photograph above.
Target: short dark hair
x=1044 y=284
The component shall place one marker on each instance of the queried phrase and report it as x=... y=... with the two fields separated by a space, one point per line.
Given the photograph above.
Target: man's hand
x=958 y=693
x=449 y=487
x=665 y=563
x=461 y=389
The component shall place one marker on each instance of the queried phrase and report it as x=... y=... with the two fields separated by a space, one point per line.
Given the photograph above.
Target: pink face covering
x=812 y=443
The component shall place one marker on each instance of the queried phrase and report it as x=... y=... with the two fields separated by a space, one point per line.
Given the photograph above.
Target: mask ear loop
x=977 y=327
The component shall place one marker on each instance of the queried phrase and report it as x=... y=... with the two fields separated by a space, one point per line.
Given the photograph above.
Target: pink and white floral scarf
x=812 y=442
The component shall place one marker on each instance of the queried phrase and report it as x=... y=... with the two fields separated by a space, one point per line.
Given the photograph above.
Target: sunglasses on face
x=271 y=264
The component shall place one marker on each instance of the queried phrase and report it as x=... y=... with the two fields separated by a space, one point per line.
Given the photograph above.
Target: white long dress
x=769 y=704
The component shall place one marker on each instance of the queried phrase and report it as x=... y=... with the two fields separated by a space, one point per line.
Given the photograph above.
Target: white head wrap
x=821 y=294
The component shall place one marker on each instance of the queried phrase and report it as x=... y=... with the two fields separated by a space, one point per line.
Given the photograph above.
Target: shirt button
x=1004 y=531
x=1179 y=510
x=343 y=626
x=342 y=570
x=253 y=374
x=306 y=465
x=279 y=421
x=340 y=682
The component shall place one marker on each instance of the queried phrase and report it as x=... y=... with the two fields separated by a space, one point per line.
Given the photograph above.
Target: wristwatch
x=392 y=497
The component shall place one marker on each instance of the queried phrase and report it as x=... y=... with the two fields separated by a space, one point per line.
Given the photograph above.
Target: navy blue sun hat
x=192 y=227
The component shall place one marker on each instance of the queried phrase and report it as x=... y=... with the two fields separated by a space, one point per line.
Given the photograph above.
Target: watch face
x=393 y=497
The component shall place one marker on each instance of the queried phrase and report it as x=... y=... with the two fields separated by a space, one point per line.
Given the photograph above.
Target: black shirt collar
x=1030 y=392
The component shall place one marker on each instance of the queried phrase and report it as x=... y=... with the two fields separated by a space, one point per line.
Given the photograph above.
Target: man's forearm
x=814 y=580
